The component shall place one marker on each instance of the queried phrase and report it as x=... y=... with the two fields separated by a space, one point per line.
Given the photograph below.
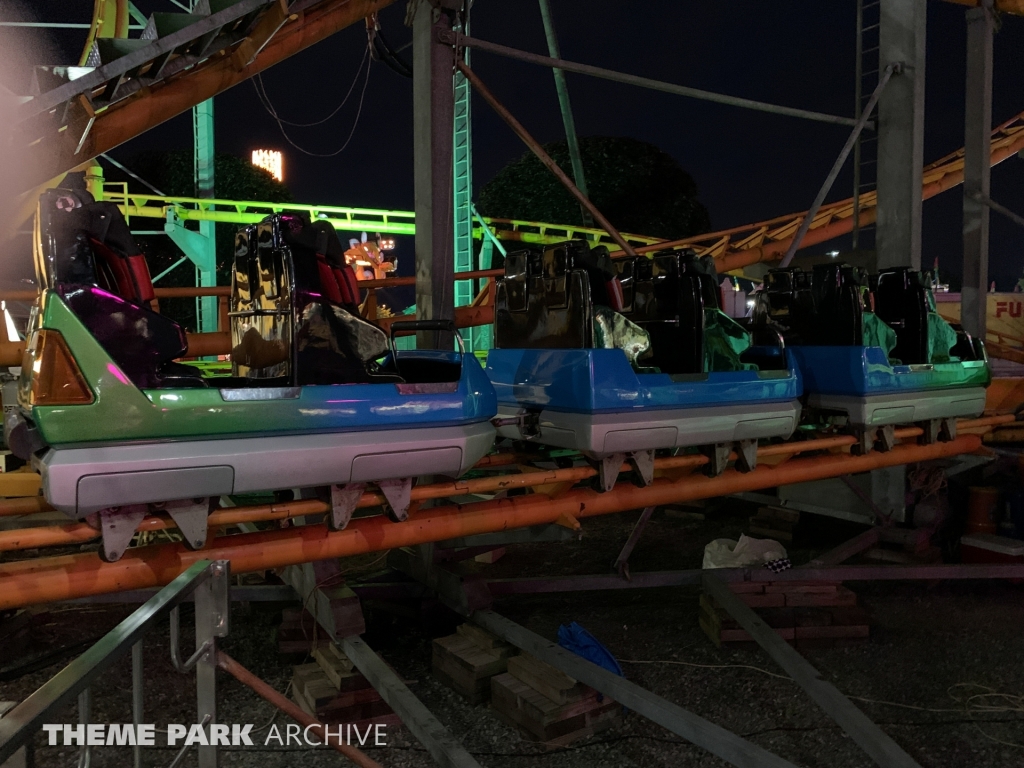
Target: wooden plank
x=475 y=691
x=470 y=656
x=872 y=739
x=465 y=667
x=713 y=631
x=546 y=721
x=442 y=746
x=302 y=673
x=795 y=586
x=544 y=678
x=336 y=609
x=717 y=740
x=347 y=699
x=776 y=600
x=485 y=640
x=751 y=587
x=842 y=596
x=847 y=549
x=320 y=691
x=792 y=624
x=300 y=698
x=539 y=708
x=335 y=668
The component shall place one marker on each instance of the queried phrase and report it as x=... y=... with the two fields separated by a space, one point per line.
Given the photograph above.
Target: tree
x=640 y=188
x=172 y=173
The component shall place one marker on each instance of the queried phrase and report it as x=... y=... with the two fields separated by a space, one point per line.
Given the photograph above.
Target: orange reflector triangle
x=56 y=377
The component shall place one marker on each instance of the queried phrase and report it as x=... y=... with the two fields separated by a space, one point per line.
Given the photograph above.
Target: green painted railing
x=343 y=218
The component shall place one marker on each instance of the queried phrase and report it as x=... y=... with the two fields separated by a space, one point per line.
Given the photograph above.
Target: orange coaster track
x=556 y=498
x=742 y=246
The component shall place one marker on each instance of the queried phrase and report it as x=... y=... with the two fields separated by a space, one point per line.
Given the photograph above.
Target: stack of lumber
x=296 y=632
x=467 y=660
x=807 y=614
x=333 y=691
x=299 y=627
x=547 y=705
x=774 y=523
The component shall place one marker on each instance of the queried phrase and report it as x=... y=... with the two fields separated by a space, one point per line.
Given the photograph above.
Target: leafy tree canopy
x=641 y=189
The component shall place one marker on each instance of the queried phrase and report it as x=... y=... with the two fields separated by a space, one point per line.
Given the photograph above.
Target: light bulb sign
x=269 y=160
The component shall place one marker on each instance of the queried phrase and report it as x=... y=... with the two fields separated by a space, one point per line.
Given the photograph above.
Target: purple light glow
x=118 y=374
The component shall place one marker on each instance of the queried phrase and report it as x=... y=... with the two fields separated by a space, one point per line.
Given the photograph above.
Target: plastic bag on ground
x=727 y=553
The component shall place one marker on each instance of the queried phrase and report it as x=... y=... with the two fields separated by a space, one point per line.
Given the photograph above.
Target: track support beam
x=977 y=127
x=901 y=134
x=433 y=102
x=872 y=739
x=715 y=739
x=442 y=746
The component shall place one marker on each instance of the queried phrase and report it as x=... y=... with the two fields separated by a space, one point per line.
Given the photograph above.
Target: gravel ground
x=928 y=644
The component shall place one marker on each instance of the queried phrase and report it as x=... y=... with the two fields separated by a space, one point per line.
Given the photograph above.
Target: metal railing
x=208 y=581
x=345 y=218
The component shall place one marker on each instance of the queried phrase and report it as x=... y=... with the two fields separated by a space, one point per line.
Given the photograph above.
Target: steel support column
x=443 y=747
x=901 y=134
x=433 y=115
x=730 y=747
x=977 y=127
x=213 y=616
x=562 y=88
x=868 y=736
x=202 y=120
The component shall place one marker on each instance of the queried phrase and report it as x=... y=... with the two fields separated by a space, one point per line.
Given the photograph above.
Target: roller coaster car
x=620 y=359
x=319 y=399
x=875 y=350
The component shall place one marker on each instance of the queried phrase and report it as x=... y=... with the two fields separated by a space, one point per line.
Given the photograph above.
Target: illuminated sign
x=269 y=160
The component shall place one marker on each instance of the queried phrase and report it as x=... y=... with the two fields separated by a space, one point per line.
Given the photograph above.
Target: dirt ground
x=932 y=646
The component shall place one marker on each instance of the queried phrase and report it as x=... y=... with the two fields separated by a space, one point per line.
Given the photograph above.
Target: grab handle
x=428 y=325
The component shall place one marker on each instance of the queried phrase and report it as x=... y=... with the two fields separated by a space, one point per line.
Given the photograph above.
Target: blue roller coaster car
x=873 y=350
x=618 y=359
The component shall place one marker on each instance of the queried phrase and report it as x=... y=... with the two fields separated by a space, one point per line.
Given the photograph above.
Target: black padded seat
x=669 y=304
x=91 y=259
x=303 y=278
x=823 y=308
x=544 y=301
x=840 y=310
x=902 y=302
x=547 y=298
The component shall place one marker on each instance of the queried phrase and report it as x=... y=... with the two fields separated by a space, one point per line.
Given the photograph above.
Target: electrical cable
x=976 y=703
x=707 y=666
x=393 y=64
x=355 y=123
x=389 y=56
x=261 y=91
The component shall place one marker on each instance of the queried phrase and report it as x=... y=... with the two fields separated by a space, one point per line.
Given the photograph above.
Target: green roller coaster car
x=318 y=399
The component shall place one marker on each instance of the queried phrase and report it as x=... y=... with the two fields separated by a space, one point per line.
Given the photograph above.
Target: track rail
x=748 y=244
x=67 y=126
x=555 y=500
x=735 y=247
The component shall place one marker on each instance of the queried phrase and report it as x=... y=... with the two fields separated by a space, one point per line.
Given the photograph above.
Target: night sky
x=748 y=165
